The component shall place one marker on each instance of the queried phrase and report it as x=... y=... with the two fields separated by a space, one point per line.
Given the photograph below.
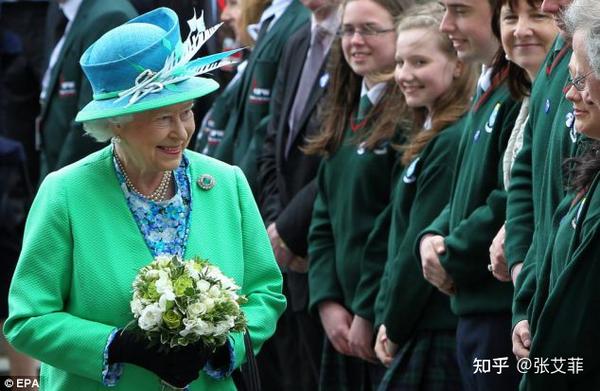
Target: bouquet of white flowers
x=177 y=303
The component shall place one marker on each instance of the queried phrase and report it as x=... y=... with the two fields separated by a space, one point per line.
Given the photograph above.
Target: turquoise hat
x=143 y=65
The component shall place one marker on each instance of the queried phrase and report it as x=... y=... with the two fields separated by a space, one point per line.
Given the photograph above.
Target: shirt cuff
x=111 y=373
x=222 y=371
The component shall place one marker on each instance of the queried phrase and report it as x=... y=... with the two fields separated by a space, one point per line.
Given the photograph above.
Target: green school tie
x=364 y=106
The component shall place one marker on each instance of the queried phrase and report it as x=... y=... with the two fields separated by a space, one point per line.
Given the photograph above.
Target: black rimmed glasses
x=579 y=81
x=364 y=32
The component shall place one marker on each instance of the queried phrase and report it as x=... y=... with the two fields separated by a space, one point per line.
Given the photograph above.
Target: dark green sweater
x=537 y=184
x=406 y=302
x=477 y=207
x=354 y=187
x=565 y=317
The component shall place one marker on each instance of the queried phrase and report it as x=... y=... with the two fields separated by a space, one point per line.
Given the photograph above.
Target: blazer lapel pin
x=206 y=182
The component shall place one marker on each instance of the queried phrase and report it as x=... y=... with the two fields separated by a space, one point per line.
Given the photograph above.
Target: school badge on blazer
x=570 y=124
x=489 y=125
x=66 y=87
x=258 y=95
x=324 y=80
x=410 y=175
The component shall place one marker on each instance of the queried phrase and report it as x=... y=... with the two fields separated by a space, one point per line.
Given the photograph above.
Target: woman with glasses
x=564 y=317
x=362 y=112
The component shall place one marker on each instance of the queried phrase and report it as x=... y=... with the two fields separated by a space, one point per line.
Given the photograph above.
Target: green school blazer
x=82 y=249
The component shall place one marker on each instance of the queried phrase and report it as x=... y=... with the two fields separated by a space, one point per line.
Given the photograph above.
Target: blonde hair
x=451 y=105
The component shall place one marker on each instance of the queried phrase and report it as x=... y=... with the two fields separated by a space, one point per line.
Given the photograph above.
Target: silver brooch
x=206 y=182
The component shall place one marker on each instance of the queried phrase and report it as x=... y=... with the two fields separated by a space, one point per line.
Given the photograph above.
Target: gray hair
x=100 y=129
x=584 y=15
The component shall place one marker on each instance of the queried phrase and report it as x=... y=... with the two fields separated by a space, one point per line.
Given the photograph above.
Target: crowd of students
x=417 y=206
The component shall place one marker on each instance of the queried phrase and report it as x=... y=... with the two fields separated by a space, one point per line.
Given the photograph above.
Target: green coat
x=537 y=181
x=565 y=318
x=246 y=129
x=63 y=141
x=406 y=302
x=477 y=207
x=82 y=249
x=347 y=252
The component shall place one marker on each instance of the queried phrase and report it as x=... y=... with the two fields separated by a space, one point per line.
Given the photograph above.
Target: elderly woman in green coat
x=564 y=318
x=95 y=223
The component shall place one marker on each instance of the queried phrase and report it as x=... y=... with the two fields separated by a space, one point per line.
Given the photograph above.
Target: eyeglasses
x=366 y=31
x=579 y=81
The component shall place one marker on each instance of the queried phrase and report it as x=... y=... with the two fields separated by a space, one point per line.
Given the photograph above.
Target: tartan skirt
x=346 y=373
x=426 y=362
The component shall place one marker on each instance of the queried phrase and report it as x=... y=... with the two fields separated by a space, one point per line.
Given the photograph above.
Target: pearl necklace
x=159 y=194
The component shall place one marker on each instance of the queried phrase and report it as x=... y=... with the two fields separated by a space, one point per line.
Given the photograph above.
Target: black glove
x=178 y=366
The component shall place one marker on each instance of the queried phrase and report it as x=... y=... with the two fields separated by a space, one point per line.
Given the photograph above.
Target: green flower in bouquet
x=184 y=286
x=172 y=319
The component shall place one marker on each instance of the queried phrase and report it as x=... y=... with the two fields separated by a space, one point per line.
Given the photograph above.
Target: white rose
x=152 y=274
x=150 y=317
x=196 y=309
x=203 y=285
x=136 y=306
x=163 y=260
x=190 y=327
x=204 y=328
x=214 y=291
x=191 y=271
x=164 y=298
x=163 y=284
x=210 y=303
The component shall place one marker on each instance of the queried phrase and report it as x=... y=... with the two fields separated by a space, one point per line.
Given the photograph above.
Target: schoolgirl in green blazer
x=416 y=327
x=361 y=123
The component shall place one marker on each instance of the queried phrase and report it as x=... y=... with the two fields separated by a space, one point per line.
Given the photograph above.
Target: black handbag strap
x=250 y=369
x=246 y=377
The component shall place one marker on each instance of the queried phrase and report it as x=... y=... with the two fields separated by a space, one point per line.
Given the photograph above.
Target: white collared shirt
x=374 y=93
x=485 y=79
x=275 y=10
x=70 y=9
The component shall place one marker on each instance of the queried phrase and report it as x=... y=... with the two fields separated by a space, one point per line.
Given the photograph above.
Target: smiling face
x=154 y=140
x=527 y=35
x=371 y=55
x=586 y=103
x=468 y=24
x=423 y=71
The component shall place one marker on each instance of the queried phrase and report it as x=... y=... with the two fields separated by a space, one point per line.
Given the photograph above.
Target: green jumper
x=416 y=315
x=564 y=311
x=537 y=180
x=477 y=206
